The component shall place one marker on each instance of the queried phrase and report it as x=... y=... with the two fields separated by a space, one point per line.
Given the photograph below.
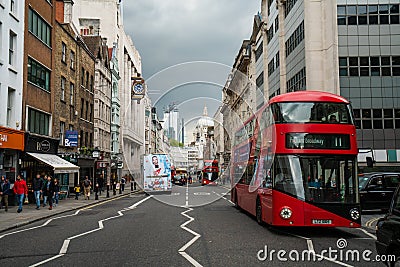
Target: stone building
x=102 y=103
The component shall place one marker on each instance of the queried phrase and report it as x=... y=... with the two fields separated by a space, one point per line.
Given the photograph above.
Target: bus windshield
x=316 y=179
x=312 y=112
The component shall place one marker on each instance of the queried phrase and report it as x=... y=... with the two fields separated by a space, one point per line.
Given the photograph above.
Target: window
x=63 y=81
x=82 y=107
x=38 y=74
x=87 y=80
x=38 y=122
x=87 y=110
x=72 y=59
x=12 y=6
x=71 y=96
x=91 y=83
x=62 y=130
x=63 y=52
x=12 y=48
x=10 y=104
x=295 y=39
x=259 y=51
x=38 y=27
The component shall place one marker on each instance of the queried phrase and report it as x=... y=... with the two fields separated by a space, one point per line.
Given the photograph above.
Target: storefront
x=40 y=157
x=11 y=146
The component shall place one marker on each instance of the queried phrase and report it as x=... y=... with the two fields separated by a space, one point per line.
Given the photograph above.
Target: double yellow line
x=109 y=200
x=371 y=222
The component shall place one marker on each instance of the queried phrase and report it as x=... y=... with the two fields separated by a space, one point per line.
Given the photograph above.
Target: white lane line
x=45 y=261
x=223 y=196
x=190 y=259
x=310 y=248
x=367 y=233
x=187 y=196
x=66 y=243
x=188 y=244
x=39 y=226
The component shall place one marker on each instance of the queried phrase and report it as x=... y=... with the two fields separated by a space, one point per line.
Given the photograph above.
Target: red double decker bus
x=294 y=162
x=209 y=172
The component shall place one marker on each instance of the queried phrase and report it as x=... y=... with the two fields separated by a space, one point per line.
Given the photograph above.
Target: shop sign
x=12 y=139
x=71 y=138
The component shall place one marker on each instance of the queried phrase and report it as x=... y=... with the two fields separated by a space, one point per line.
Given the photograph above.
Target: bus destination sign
x=317 y=141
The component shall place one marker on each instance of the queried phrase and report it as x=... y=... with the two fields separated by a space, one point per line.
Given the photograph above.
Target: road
x=194 y=226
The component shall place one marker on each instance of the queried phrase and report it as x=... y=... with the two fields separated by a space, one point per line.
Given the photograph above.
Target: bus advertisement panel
x=157 y=173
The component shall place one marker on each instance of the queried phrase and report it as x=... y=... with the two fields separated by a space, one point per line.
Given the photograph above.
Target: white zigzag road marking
x=188 y=244
x=65 y=245
x=39 y=226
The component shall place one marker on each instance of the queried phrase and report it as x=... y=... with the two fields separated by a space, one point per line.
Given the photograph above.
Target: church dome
x=205 y=120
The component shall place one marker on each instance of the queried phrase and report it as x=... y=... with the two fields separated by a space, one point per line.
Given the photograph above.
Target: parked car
x=376 y=189
x=388 y=232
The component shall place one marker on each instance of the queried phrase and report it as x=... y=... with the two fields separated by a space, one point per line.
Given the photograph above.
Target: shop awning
x=59 y=165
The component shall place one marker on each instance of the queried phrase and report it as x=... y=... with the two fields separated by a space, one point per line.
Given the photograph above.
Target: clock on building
x=138 y=88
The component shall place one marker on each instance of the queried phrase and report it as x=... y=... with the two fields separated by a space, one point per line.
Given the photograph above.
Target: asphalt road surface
x=193 y=226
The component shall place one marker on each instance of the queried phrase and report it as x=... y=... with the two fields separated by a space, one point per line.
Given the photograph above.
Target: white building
x=12 y=19
x=91 y=19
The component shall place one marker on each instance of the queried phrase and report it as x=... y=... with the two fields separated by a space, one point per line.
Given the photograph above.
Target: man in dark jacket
x=37 y=189
x=48 y=191
x=4 y=192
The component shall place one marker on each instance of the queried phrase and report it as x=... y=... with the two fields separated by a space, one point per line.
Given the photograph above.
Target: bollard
x=131 y=186
x=108 y=191
x=96 y=196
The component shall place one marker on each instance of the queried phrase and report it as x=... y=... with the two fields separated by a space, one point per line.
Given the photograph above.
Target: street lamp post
x=96 y=155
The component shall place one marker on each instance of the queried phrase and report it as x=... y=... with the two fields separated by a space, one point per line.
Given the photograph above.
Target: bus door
x=265 y=191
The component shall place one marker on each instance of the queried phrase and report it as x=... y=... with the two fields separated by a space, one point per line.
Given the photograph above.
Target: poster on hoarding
x=157 y=173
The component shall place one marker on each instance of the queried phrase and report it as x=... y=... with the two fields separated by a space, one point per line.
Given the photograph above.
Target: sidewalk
x=11 y=219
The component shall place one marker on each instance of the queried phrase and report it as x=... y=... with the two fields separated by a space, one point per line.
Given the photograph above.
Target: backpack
x=86 y=183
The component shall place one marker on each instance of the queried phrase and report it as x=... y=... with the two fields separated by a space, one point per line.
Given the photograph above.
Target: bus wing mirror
x=370 y=161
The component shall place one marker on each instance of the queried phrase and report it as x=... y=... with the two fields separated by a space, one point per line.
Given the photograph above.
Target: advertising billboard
x=157 y=173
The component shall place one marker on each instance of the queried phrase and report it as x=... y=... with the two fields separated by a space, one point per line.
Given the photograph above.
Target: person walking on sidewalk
x=37 y=189
x=77 y=190
x=48 y=191
x=20 y=189
x=43 y=189
x=3 y=179
x=86 y=187
x=56 y=192
x=5 y=192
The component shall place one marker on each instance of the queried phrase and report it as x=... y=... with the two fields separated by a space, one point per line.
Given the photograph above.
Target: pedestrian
x=134 y=183
x=100 y=181
x=37 y=189
x=2 y=181
x=44 y=196
x=123 y=181
x=5 y=192
x=77 y=190
x=56 y=193
x=20 y=190
x=86 y=187
x=48 y=191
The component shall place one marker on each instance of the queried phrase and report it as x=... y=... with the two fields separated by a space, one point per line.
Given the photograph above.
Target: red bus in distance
x=294 y=162
x=209 y=172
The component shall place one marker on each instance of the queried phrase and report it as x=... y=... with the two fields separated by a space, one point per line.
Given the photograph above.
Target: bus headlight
x=354 y=214
x=286 y=213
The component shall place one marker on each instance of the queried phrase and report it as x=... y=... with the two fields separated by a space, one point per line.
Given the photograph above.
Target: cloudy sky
x=188 y=47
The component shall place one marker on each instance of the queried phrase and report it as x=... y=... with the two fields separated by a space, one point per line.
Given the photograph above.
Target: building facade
x=90 y=19
x=12 y=23
x=346 y=47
